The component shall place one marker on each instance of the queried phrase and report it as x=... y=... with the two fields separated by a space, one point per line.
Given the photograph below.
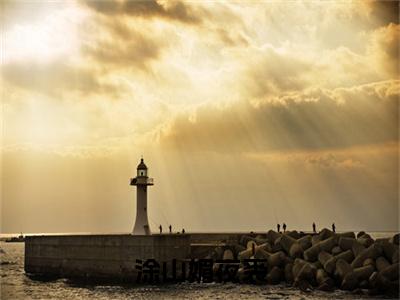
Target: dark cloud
x=56 y=78
x=372 y=14
x=320 y=119
x=177 y=11
x=385 y=11
x=128 y=48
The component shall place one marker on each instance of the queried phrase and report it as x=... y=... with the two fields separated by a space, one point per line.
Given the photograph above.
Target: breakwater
x=323 y=261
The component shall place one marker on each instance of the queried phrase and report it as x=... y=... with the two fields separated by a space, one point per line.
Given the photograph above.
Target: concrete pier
x=113 y=256
x=100 y=256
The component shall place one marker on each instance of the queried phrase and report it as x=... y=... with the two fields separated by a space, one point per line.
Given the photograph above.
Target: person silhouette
x=314 y=228
x=170 y=229
x=284 y=227
x=183 y=230
x=333 y=227
x=279 y=227
x=160 y=228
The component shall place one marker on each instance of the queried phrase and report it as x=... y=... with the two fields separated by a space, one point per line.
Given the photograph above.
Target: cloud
x=122 y=45
x=266 y=71
x=313 y=119
x=137 y=53
x=175 y=11
x=384 y=48
x=332 y=161
x=287 y=79
x=383 y=12
x=56 y=78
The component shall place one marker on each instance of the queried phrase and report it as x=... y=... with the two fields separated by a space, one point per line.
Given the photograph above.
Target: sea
x=14 y=284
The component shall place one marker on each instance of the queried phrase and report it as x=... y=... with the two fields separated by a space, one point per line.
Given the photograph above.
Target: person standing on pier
x=284 y=227
x=160 y=228
x=314 y=228
x=279 y=227
x=170 y=229
x=333 y=227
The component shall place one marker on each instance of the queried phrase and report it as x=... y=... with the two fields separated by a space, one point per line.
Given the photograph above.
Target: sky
x=247 y=113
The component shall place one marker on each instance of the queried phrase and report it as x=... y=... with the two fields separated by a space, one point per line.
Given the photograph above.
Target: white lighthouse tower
x=141 y=181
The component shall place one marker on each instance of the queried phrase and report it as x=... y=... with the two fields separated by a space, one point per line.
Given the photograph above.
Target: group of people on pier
x=278 y=226
x=170 y=229
x=314 y=227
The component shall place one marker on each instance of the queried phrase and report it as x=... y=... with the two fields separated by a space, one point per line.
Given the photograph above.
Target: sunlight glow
x=43 y=41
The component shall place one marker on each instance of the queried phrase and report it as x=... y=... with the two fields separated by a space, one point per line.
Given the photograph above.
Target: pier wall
x=216 y=237
x=100 y=256
x=114 y=255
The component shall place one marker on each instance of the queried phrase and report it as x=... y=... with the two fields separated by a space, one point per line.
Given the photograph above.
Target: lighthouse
x=141 y=181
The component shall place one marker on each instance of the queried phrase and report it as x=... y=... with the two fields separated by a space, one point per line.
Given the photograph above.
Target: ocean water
x=14 y=284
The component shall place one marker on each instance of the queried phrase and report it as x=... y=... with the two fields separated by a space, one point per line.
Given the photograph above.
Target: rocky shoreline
x=324 y=261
